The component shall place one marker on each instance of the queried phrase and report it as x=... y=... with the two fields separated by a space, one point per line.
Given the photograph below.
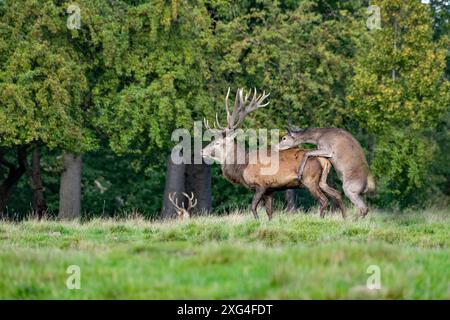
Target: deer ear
x=292 y=130
x=289 y=130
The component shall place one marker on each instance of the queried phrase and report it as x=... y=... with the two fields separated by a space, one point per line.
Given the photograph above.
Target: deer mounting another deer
x=249 y=174
x=182 y=212
x=344 y=152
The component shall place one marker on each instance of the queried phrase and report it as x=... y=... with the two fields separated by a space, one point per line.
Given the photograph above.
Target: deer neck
x=234 y=169
x=310 y=135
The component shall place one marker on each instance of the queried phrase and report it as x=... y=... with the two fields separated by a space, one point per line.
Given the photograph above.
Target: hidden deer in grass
x=182 y=212
x=344 y=152
x=249 y=173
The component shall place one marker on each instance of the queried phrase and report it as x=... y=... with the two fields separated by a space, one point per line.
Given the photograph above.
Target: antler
x=191 y=199
x=217 y=129
x=175 y=202
x=241 y=109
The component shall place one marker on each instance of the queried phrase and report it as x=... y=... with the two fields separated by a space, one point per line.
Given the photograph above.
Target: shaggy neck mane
x=233 y=171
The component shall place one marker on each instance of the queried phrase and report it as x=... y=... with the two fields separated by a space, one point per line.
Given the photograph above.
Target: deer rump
x=286 y=177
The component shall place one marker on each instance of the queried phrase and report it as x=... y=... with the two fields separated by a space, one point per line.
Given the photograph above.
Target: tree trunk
x=198 y=181
x=289 y=200
x=70 y=187
x=174 y=183
x=14 y=175
x=38 y=201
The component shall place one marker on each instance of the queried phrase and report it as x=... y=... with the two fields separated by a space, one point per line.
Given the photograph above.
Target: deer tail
x=370 y=184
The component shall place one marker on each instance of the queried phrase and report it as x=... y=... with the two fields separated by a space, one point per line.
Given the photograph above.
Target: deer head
x=182 y=212
x=289 y=140
x=224 y=136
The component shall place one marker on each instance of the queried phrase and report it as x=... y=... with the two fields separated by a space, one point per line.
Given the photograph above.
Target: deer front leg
x=256 y=199
x=268 y=201
x=315 y=153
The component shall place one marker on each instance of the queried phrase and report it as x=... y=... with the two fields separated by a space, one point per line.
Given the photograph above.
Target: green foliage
x=157 y=79
x=399 y=72
x=42 y=83
x=301 y=56
x=403 y=165
x=440 y=10
x=117 y=87
x=398 y=94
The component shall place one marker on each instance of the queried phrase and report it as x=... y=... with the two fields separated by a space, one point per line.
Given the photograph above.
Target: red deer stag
x=182 y=212
x=344 y=152
x=249 y=173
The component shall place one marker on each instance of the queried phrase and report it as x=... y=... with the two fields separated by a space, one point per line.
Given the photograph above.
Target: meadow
x=294 y=256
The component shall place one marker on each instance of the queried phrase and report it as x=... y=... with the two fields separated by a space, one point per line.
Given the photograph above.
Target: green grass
x=295 y=256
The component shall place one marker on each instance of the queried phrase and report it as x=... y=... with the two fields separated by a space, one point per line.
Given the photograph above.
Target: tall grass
x=234 y=256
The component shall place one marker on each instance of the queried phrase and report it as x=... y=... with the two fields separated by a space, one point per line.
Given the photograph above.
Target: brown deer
x=182 y=212
x=225 y=150
x=344 y=152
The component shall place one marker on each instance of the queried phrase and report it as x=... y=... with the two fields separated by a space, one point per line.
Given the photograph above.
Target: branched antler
x=215 y=130
x=183 y=212
x=192 y=202
x=175 y=201
x=242 y=107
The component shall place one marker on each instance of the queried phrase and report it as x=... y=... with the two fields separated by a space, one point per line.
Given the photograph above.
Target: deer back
x=348 y=157
x=285 y=176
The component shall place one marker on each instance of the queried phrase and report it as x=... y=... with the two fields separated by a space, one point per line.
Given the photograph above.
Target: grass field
x=295 y=256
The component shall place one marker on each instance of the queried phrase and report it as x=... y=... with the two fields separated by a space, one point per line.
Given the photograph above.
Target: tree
x=155 y=80
x=111 y=93
x=38 y=201
x=70 y=187
x=175 y=182
x=440 y=11
x=12 y=176
x=42 y=83
x=198 y=182
x=298 y=51
x=93 y=44
x=191 y=179
x=398 y=93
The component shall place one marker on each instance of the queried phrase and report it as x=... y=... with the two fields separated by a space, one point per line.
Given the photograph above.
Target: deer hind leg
x=315 y=153
x=356 y=199
x=256 y=199
x=319 y=196
x=268 y=201
x=333 y=193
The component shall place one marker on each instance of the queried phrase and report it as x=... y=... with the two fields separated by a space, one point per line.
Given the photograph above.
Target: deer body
x=344 y=152
x=252 y=175
x=285 y=177
x=249 y=174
